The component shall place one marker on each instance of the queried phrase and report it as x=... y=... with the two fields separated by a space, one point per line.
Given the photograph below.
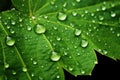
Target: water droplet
x=40 y=29
x=83 y=72
x=55 y=56
x=78 y=0
x=105 y=52
x=84 y=43
x=77 y=32
x=74 y=13
x=65 y=53
x=113 y=14
x=12 y=31
x=101 y=18
x=7 y=65
x=10 y=41
x=58 y=38
x=65 y=4
x=24 y=69
x=62 y=16
x=32 y=75
x=33 y=17
x=13 y=72
x=34 y=62
x=29 y=28
x=96 y=62
x=58 y=77
x=13 y=22
x=103 y=8
x=118 y=34
x=70 y=69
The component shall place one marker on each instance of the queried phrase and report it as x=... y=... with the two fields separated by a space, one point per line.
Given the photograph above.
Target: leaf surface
x=49 y=36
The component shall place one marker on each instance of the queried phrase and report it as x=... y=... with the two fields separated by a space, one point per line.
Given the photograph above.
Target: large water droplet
x=24 y=69
x=62 y=16
x=40 y=29
x=77 y=32
x=10 y=41
x=55 y=56
x=84 y=43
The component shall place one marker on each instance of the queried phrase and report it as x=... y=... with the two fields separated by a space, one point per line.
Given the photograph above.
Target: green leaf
x=41 y=38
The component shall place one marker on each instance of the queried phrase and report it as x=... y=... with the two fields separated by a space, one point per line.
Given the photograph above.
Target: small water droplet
x=32 y=75
x=96 y=62
x=13 y=72
x=58 y=38
x=65 y=4
x=105 y=52
x=29 y=28
x=24 y=69
x=13 y=22
x=103 y=8
x=65 y=53
x=74 y=13
x=83 y=72
x=70 y=69
x=101 y=18
x=7 y=65
x=40 y=29
x=34 y=62
x=58 y=76
x=10 y=41
x=84 y=43
x=118 y=34
x=77 y=32
x=55 y=56
x=113 y=14
x=62 y=16
x=12 y=31
x=78 y=0
x=33 y=17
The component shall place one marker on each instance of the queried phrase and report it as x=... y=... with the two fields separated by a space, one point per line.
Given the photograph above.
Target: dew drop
x=10 y=41
x=58 y=77
x=33 y=17
x=29 y=28
x=78 y=0
x=24 y=69
x=105 y=52
x=77 y=32
x=7 y=65
x=96 y=62
x=74 y=13
x=13 y=72
x=65 y=53
x=83 y=72
x=55 y=56
x=40 y=29
x=118 y=34
x=34 y=62
x=103 y=8
x=32 y=75
x=13 y=22
x=113 y=14
x=84 y=43
x=101 y=18
x=58 y=38
x=62 y=16
x=70 y=69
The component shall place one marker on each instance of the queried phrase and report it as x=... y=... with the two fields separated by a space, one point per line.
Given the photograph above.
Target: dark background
x=105 y=69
